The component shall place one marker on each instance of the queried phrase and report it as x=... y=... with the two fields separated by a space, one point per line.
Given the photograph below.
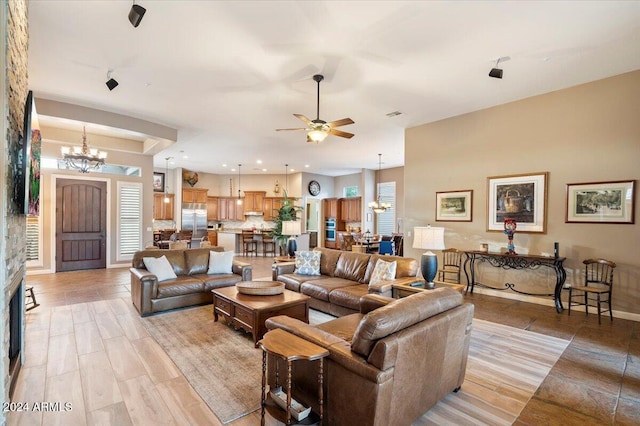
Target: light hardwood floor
x=86 y=345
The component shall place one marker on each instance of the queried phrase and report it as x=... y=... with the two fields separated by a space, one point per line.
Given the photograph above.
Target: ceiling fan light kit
x=317 y=130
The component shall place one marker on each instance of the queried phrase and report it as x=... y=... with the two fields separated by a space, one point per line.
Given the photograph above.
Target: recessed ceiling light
x=224 y=165
x=259 y=161
x=233 y=170
x=306 y=165
x=264 y=170
x=292 y=170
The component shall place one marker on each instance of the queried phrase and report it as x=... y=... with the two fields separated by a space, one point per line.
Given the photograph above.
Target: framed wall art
x=158 y=182
x=454 y=206
x=601 y=202
x=520 y=197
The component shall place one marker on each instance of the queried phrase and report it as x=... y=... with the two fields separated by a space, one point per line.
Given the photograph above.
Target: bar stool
x=249 y=244
x=30 y=298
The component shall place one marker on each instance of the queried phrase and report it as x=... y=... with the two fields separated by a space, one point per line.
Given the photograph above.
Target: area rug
x=506 y=365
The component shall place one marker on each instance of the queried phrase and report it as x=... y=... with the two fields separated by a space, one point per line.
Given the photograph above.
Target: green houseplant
x=288 y=211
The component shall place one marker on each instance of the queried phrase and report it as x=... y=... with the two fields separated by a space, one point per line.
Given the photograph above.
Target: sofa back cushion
x=400 y=314
x=175 y=258
x=197 y=260
x=352 y=266
x=406 y=266
x=328 y=260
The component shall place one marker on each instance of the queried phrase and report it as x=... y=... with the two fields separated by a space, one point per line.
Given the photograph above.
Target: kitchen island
x=231 y=240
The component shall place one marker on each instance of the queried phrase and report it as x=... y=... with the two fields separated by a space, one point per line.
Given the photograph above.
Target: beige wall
x=587 y=133
x=51 y=149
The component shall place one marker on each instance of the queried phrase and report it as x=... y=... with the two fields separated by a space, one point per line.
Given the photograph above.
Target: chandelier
x=377 y=206
x=82 y=157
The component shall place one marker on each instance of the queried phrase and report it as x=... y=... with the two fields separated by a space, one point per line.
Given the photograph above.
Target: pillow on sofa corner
x=308 y=262
x=160 y=267
x=220 y=262
x=383 y=271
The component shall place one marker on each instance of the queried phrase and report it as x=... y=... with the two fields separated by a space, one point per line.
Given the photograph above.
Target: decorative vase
x=510 y=229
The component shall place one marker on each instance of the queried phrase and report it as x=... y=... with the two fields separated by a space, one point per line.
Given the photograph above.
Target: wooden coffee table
x=250 y=312
x=401 y=290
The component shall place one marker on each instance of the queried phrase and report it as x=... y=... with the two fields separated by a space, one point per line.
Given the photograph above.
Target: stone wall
x=14 y=41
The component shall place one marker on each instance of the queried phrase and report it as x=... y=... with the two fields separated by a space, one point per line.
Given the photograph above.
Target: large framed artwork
x=601 y=202
x=158 y=182
x=520 y=197
x=454 y=206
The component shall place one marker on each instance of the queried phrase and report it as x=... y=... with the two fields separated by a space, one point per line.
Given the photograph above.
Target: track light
x=111 y=82
x=497 y=72
x=135 y=14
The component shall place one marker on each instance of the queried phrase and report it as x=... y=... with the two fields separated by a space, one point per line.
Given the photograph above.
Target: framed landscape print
x=158 y=182
x=601 y=202
x=520 y=197
x=454 y=206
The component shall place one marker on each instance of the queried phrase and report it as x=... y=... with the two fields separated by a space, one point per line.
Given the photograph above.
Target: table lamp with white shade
x=426 y=237
x=292 y=228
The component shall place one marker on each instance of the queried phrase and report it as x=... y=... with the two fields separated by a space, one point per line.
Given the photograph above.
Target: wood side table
x=290 y=348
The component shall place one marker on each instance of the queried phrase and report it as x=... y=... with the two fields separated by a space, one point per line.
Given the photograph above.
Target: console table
x=515 y=261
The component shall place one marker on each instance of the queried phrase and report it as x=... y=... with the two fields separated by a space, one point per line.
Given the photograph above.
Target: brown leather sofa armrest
x=282 y=268
x=244 y=269
x=342 y=354
x=370 y=302
x=144 y=287
x=302 y=329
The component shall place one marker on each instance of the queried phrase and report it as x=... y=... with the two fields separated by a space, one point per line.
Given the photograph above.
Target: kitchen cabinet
x=212 y=236
x=271 y=205
x=330 y=208
x=229 y=209
x=194 y=195
x=351 y=209
x=254 y=201
x=212 y=208
x=162 y=210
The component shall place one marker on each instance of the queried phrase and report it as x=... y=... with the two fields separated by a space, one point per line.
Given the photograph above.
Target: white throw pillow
x=220 y=262
x=160 y=267
x=383 y=271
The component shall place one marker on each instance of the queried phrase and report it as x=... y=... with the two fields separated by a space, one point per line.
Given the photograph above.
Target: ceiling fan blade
x=304 y=119
x=296 y=128
x=340 y=133
x=339 y=123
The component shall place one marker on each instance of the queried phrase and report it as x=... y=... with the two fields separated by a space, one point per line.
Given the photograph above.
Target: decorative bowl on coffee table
x=260 y=288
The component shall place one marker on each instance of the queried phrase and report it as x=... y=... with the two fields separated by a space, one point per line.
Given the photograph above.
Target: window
x=385 y=222
x=351 y=191
x=129 y=219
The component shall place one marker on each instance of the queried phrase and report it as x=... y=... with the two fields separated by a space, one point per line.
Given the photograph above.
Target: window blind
x=385 y=222
x=129 y=219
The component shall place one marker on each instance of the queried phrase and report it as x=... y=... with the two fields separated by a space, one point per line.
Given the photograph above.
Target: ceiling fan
x=318 y=130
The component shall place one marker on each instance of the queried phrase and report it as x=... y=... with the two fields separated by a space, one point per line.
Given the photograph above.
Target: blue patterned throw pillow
x=308 y=262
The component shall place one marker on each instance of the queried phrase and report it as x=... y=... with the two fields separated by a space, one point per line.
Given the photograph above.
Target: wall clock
x=314 y=188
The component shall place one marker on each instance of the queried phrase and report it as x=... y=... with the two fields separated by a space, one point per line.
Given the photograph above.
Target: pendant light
x=83 y=158
x=286 y=180
x=166 y=176
x=239 y=201
x=378 y=206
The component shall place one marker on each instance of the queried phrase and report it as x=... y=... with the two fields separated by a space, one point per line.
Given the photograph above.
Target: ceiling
x=226 y=74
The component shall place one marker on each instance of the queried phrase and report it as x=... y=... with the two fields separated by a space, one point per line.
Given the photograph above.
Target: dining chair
x=451 y=266
x=598 y=282
x=386 y=247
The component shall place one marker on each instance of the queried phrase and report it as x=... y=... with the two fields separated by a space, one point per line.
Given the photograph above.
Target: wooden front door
x=81 y=224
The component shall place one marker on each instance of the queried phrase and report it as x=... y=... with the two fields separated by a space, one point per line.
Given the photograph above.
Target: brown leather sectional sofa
x=192 y=286
x=388 y=364
x=344 y=278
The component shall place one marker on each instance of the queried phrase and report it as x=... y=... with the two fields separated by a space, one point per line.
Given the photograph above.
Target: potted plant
x=288 y=211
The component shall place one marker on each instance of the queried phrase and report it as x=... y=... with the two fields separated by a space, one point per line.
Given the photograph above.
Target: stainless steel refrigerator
x=194 y=218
